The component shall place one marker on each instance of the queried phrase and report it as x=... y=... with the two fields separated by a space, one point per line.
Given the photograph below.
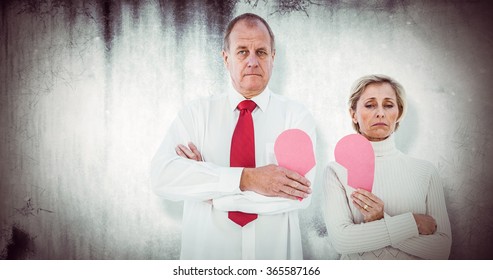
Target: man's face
x=250 y=58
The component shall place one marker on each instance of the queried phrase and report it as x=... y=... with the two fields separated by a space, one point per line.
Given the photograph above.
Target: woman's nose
x=380 y=112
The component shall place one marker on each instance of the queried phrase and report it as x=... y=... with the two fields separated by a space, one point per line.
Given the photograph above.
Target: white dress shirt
x=210 y=188
x=406 y=185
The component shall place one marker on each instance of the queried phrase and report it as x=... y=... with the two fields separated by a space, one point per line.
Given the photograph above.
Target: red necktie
x=243 y=152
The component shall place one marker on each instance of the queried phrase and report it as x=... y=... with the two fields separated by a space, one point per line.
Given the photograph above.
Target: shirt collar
x=262 y=100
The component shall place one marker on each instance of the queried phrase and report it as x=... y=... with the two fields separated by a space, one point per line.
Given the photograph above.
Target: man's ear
x=225 y=58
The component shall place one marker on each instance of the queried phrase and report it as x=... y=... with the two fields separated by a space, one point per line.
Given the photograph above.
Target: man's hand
x=368 y=204
x=190 y=152
x=272 y=180
x=426 y=224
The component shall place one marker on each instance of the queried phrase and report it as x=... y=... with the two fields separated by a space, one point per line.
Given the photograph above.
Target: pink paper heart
x=294 y=151
x=356 y=154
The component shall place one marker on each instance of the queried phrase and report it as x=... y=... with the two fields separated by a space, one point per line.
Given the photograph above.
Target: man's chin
x=252 y=91
x=254 y=86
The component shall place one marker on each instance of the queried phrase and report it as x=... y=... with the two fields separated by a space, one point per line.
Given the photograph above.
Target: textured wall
x=88 y=88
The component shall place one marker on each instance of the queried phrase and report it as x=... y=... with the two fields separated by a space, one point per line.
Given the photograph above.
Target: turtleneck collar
x=385 y=147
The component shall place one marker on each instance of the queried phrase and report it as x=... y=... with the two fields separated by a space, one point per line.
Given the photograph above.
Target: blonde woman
x=404 y=217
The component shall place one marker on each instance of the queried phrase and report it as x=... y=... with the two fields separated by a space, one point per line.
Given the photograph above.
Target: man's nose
x=252 y=60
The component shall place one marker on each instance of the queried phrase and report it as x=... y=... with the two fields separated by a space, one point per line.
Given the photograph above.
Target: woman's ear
x=352 y=113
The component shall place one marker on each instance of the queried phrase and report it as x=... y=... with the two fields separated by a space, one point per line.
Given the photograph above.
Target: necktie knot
x=247 y=105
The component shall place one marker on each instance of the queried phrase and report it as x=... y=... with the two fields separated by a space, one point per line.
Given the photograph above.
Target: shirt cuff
x=400 y=227
x=231 y=177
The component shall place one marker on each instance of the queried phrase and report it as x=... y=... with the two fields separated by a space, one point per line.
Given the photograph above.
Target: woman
x=404 y=217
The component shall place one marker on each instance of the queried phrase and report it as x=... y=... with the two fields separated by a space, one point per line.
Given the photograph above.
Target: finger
x=187 y=152
x=370 y=195
x=294 y=192
x=361 y=206
x=179 y=152
x=434 y=225
x=365 y=212
x=297 y=185
x=278 y=192
x=297 y=177
x=194 y=150
x=363 y=199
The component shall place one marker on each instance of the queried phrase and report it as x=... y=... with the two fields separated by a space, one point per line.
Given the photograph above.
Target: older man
x=237 y=203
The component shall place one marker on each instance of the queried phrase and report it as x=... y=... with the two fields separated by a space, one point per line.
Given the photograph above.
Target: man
x=237 y=203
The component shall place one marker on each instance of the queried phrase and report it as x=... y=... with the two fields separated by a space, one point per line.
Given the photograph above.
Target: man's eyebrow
x=240 y=47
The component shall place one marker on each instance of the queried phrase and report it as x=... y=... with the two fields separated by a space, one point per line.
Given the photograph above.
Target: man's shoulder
x=206 y=101
x=288 y=103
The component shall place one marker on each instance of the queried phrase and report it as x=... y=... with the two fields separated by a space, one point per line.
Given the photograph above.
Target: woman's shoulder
x=418 y=164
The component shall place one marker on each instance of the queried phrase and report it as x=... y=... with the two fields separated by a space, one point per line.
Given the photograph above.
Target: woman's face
x=376 y=111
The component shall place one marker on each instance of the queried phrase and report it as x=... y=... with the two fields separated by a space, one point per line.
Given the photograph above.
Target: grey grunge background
x=88 y=89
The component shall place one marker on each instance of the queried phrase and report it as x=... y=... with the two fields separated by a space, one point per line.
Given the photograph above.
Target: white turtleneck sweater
x=406 y=185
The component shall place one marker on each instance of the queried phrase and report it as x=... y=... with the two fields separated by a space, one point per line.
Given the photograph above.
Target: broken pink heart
x=356 y=154
x=294 y=151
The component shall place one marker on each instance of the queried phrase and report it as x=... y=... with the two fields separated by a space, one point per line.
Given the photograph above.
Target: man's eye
x=242 y=52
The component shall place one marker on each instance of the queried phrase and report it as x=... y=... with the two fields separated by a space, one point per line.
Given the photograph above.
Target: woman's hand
x=190 y=152
x=368 y=204
x=426 y=224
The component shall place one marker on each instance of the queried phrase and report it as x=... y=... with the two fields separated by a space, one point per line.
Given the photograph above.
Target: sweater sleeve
x=348 y=237
x=437 y=245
